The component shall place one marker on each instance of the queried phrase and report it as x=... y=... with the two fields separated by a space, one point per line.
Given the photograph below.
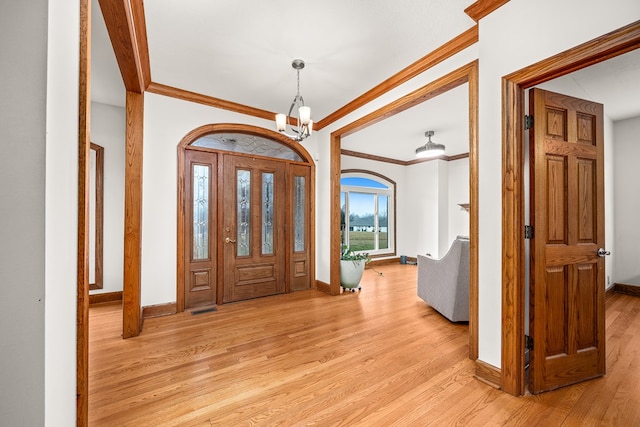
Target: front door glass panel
x=298 y=213
x=243 y=237
x=267 y=213
x=200 y=225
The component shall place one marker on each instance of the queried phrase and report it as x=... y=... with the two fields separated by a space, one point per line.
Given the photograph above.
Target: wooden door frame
x=465 y=74
x=615 y=43
x=230 y=128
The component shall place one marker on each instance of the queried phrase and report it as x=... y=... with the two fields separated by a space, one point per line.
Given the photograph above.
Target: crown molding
x=482 y=8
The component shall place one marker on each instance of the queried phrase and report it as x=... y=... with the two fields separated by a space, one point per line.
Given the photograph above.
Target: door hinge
x=528 y=122
x=528 y=231
x=528 y=342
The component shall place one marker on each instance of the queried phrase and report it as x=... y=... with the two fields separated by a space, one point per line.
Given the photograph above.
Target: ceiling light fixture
x=303 y=119
x=430 y=149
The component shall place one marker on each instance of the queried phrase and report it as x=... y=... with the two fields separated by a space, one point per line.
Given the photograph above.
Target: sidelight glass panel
x=200 y=187
x=298 y=213
x=267 y=213
x=243 y=212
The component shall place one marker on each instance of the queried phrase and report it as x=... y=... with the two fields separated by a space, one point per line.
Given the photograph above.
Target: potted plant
x=351 y=268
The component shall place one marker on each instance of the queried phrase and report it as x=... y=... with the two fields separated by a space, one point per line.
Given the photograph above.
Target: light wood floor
x=376 y=358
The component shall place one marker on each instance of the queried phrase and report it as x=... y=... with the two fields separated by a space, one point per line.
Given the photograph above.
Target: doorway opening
x=465 y=74
x=605 y=47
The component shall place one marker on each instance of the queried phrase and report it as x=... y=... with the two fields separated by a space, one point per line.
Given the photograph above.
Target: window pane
x=361 y=221
x=383 y=222
x=200 y=187
x=298 y=213
x=267 y=213
x=244 y=212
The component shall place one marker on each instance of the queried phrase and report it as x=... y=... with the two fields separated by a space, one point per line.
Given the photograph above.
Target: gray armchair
x=444 y=283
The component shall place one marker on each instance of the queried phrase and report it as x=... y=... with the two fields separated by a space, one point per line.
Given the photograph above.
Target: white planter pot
x=351 y=273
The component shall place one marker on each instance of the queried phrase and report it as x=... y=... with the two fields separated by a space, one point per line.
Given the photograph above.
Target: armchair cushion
x=444 y=283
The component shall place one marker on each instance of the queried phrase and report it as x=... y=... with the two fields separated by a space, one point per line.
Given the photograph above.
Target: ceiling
x=243 y=54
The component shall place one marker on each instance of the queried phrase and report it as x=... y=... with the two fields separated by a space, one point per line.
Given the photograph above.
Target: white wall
x=108 y=131
x=22 y=211
x=61 y=214
x=506 y=45
x=458 y=194
x=38 y=207
x=627 y=202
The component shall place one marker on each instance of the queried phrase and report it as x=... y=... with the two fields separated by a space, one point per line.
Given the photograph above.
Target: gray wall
x=627 y=201
x=23 y=59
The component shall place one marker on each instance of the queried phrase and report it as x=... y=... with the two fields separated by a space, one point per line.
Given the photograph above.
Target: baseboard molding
x=384 y=261
x=322 y=286
x=488 y=374
x=105 y=297
x=626 y=289
x=159 y=310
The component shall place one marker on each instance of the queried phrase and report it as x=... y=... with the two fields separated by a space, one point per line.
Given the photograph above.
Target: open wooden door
x=567 y=265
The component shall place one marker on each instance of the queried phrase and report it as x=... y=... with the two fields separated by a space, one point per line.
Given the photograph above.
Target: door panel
x=300 y=212
x=253 y=228
x=567 y=211
x=200 y=249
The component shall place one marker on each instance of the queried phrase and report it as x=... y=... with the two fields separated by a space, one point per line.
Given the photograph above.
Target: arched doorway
x=245 y=215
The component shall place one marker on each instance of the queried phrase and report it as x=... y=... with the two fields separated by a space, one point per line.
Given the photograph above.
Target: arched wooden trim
x=246 y=129
x=465 y=74
x=597 y=50
x=191 y=137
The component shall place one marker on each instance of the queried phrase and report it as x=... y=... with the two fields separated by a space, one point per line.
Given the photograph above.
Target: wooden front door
x=567 y=212
x=253 y=227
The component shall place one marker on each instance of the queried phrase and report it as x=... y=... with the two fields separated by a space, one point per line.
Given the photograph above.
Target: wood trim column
x=82 y=307
x=512 y=240
x=131 y=304
x=335 y=243
x=473 y=210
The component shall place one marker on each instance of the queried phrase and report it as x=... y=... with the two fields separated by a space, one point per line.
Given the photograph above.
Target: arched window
x=367 y=215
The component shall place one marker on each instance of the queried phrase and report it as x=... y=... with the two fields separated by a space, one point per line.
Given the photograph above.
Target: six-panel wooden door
x=567 y=212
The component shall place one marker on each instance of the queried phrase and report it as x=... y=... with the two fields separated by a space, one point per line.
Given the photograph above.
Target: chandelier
x=430 y=149
x=303 y=118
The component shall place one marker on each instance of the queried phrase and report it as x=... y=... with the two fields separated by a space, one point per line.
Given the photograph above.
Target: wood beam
x=82 y=281
x=131 y=303
x=445 y=51
x=126 y=26
x=482 y=8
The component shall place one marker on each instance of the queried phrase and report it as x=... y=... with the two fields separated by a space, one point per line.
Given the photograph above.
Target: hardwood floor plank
x=378 y=357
